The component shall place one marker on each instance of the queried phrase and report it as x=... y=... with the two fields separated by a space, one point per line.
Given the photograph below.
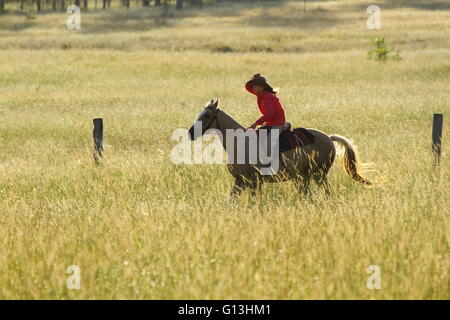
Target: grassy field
x=140 y=227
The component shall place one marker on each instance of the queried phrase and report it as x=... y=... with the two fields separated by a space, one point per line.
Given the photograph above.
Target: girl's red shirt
x=270 y=107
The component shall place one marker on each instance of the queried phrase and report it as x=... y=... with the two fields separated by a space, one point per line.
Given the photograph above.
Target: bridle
x=214 y=117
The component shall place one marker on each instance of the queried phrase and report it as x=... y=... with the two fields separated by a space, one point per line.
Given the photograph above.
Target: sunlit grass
x=141 y=227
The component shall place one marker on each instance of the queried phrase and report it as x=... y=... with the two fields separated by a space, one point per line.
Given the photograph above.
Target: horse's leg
x=326 y=186
x=322 y=180
x=255 y=187
x=235 y=191
x=305 y=187
x=302 y=183
x=239 y=185
x=321 y=171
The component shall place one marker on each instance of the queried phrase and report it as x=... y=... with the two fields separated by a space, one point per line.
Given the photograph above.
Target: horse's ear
x=210 y=104
x=216 y=103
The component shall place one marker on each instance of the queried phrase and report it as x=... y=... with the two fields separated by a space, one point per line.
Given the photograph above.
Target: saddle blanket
x=295 y=138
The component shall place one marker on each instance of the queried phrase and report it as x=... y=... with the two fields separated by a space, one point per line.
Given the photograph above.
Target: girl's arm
x=269 y=111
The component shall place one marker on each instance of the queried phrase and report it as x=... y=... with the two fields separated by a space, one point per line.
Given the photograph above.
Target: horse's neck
x=224 y=122
x=227 y=122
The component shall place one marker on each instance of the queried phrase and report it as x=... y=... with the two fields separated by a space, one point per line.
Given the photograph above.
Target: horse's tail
x=350 y=159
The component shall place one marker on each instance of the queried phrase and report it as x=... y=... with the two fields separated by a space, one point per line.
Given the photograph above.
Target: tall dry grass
x=141 y=227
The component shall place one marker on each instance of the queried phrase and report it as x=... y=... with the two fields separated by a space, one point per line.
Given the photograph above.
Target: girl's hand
x=253 y=126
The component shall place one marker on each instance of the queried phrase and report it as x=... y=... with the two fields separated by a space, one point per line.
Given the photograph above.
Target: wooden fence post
x=98 y=139
x=438 y=120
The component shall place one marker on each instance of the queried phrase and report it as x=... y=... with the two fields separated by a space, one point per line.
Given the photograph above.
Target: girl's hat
x=258 y=80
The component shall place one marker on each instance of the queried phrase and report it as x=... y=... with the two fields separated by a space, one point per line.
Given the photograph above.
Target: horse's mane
x=230 y=119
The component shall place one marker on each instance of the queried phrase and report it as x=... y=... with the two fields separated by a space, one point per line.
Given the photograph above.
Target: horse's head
x=207 y=119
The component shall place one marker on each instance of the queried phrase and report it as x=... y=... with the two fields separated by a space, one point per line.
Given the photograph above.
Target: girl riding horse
x=268 y=104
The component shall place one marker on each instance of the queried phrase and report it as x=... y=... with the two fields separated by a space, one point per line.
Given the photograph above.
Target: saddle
x=295 y=138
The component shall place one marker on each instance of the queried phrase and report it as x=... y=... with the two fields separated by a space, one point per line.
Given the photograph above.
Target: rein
x=214 y=117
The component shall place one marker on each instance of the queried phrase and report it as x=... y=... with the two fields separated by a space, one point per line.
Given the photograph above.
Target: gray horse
x=313 y=161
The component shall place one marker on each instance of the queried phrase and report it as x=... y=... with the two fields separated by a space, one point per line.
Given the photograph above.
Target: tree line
x=58 y=5
x=61 y=5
